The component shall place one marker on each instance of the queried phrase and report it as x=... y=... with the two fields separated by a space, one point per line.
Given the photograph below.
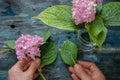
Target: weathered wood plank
x=15 y=19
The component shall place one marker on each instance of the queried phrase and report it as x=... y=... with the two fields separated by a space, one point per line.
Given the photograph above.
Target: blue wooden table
x=15 y=19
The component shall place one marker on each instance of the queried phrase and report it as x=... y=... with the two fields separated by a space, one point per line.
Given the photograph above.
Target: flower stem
x=40 y=73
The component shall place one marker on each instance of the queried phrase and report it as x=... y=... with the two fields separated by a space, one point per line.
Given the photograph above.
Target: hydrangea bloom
x=27 y=45
x=84 y=10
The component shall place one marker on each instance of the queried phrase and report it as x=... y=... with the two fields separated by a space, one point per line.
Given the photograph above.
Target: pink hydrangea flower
x=84 y=10
x=27 y=45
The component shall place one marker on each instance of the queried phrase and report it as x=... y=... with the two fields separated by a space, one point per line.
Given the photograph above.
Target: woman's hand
x=86 y=71
x=24 y=70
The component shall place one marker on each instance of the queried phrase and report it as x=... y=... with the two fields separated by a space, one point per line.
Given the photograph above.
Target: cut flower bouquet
x=91 y=15
x=35 y=46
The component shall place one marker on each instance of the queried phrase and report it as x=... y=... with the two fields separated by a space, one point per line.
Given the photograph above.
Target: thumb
x=81 y=73
x=34 y=65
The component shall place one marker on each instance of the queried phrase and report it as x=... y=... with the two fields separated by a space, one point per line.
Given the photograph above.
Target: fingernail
x=77 y=66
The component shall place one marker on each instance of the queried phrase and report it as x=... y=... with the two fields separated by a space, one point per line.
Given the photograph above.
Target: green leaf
x=111 y=14
x=97 y=31
x=99 y=8
x=10 y=43
x=48 y=53
x=59 y=16
x=45 y=34
x=69 y=53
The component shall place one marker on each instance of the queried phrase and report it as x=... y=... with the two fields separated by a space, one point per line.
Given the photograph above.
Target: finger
x=74 y=77
x=20 y=64
x=27 y=66
x=34 y=65
x=80 y=72
x=35 y=76
x=88 y=72
x=71 y=69
x=88 y=65
x=85 y=64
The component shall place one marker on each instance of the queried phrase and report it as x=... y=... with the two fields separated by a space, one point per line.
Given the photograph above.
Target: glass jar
x=83 y=41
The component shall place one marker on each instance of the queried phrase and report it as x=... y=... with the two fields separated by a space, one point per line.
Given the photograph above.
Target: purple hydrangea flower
x=28 y=45
x=84 y=10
